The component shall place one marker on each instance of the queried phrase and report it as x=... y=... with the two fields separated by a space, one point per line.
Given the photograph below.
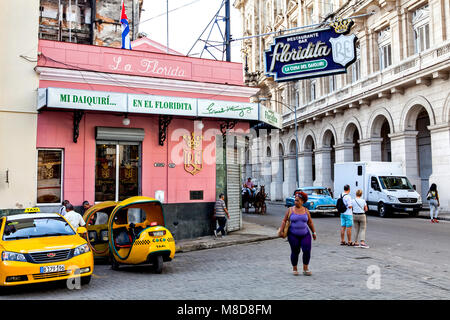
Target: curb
x=217 y=243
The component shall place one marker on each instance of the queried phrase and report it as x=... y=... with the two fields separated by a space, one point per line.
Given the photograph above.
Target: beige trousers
x=359 y=225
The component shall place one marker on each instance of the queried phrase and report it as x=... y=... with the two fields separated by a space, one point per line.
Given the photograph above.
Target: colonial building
x=393 y=104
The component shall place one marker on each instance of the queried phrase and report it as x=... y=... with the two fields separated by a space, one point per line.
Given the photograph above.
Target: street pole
x=167 y=18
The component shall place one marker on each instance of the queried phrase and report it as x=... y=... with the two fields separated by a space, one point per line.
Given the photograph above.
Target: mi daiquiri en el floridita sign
x=322 y=52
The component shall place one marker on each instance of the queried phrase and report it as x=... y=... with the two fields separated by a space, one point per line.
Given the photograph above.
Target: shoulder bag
x=283 y=233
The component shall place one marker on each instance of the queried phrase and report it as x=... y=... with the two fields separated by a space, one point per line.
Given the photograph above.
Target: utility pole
x=227 y=31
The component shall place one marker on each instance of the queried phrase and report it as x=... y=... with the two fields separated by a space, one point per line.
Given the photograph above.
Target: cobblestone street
x=262 y=270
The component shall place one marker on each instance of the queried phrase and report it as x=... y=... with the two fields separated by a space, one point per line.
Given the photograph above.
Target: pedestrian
x=220 y=210
x=433 y=200
x=74 y=218
x=347 y=217
x=62 y=210
x=86 y=206
x=298 y=235
x=359 y=219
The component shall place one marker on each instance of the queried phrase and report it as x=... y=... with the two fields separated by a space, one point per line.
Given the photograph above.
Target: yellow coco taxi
x=39 y=247
x=130 y=232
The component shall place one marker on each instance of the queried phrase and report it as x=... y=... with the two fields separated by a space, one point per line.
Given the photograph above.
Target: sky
x=187 y=21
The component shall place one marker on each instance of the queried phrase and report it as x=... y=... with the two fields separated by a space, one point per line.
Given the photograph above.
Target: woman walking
x=298 y=234
x=433 y=200
x=360 y=219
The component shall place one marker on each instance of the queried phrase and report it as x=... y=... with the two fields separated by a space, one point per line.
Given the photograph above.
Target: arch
x=376 y=122
x=268 y=152
x=310 y=134
x=347 y=130
x=291 y=144
x=446 y=110
x=325 y=137
x=412 y=109
x=281 y=149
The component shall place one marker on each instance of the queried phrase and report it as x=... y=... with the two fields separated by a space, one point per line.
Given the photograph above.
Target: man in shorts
x=347 y=217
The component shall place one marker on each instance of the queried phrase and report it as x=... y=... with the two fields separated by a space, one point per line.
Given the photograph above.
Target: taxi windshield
x=36 y=228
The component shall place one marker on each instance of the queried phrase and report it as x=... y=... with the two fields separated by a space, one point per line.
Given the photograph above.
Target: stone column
x=323 y=167
x=344 y=152
x=404 y=149
x=276 y=187
x=289 y=184
x=305 y=168
x=440 y=150
x=370 y=149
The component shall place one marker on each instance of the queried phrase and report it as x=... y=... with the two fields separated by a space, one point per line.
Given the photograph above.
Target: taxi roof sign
x=31 y=210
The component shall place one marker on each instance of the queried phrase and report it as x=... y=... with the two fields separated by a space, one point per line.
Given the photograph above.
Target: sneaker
x=365 y=246
x=215 y=234
x=436 y=220
x=432 y=221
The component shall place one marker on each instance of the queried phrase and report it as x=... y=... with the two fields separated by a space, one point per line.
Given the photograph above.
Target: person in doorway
x=73 y=217
x=433 y=200
x=63 y=209
x=347 y=217
x=299 y=236
x=359 y=219
x=220 y=213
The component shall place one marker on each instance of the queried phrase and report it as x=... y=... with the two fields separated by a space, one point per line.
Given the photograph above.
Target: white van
x=385 y=188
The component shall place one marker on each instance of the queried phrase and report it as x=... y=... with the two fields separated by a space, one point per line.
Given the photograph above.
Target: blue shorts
x=346 y=220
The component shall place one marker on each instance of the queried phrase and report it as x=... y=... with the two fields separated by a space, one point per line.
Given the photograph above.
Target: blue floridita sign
x=314 y=54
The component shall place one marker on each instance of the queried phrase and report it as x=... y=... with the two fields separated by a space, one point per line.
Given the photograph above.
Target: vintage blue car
x=319 y=200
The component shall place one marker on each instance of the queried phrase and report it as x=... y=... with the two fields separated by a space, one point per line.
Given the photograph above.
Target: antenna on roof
x=216 y=47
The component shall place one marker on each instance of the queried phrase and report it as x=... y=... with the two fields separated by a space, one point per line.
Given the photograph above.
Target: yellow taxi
x=38 y=247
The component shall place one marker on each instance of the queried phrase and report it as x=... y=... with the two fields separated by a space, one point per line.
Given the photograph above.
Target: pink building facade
x=116 y=123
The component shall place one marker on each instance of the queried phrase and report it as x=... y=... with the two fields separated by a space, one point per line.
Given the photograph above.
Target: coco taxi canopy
x=88 y=100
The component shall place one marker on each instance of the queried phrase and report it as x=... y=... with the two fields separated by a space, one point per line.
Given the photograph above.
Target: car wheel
x=382 y=210
x=158 y=264
x=85 y=280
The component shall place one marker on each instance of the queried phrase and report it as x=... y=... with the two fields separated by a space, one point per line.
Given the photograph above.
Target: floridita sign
x=319 y=53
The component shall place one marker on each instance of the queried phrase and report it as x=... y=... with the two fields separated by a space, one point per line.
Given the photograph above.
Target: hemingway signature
x=210 y=109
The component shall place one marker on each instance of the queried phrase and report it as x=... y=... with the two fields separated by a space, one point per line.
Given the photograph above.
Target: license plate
x=409 y=209
x=57 y=268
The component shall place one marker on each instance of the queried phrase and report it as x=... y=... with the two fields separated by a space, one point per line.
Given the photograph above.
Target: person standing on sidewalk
x=360 y=219
x=220 y=210
x=298 y=234
x=347 y=217
x=433 y=200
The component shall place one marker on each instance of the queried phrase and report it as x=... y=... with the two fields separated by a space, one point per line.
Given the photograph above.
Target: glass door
x=117 y=171
x=128 y=171
x=105 y=172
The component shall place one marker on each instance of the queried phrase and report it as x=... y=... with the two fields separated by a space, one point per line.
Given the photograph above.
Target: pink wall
x=55 y=128
x=132 y=62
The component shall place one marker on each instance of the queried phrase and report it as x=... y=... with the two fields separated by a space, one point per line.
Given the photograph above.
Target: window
x=384 y=47
x=313 y=85
x=356 y=66
x=49 y=176
x=331 y=84
x=36 y=228
x=421 y=28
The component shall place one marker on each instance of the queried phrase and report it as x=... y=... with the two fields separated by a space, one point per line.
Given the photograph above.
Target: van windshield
x=395 y=183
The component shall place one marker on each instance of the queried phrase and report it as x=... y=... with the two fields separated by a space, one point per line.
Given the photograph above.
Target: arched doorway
x=352 y=136
x=380 y=131
x=328 y=143
x=424 y=150
x=309 y=161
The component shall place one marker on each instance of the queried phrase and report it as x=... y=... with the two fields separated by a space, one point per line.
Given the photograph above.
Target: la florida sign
x=314 y=54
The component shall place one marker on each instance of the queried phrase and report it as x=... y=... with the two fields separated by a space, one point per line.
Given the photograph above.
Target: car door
x=373 y=196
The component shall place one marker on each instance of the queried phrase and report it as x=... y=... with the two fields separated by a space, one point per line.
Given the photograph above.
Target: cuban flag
x=126 y=43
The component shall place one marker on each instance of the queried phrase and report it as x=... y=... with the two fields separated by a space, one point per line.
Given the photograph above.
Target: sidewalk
x=250 y=232
x=424 y=214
